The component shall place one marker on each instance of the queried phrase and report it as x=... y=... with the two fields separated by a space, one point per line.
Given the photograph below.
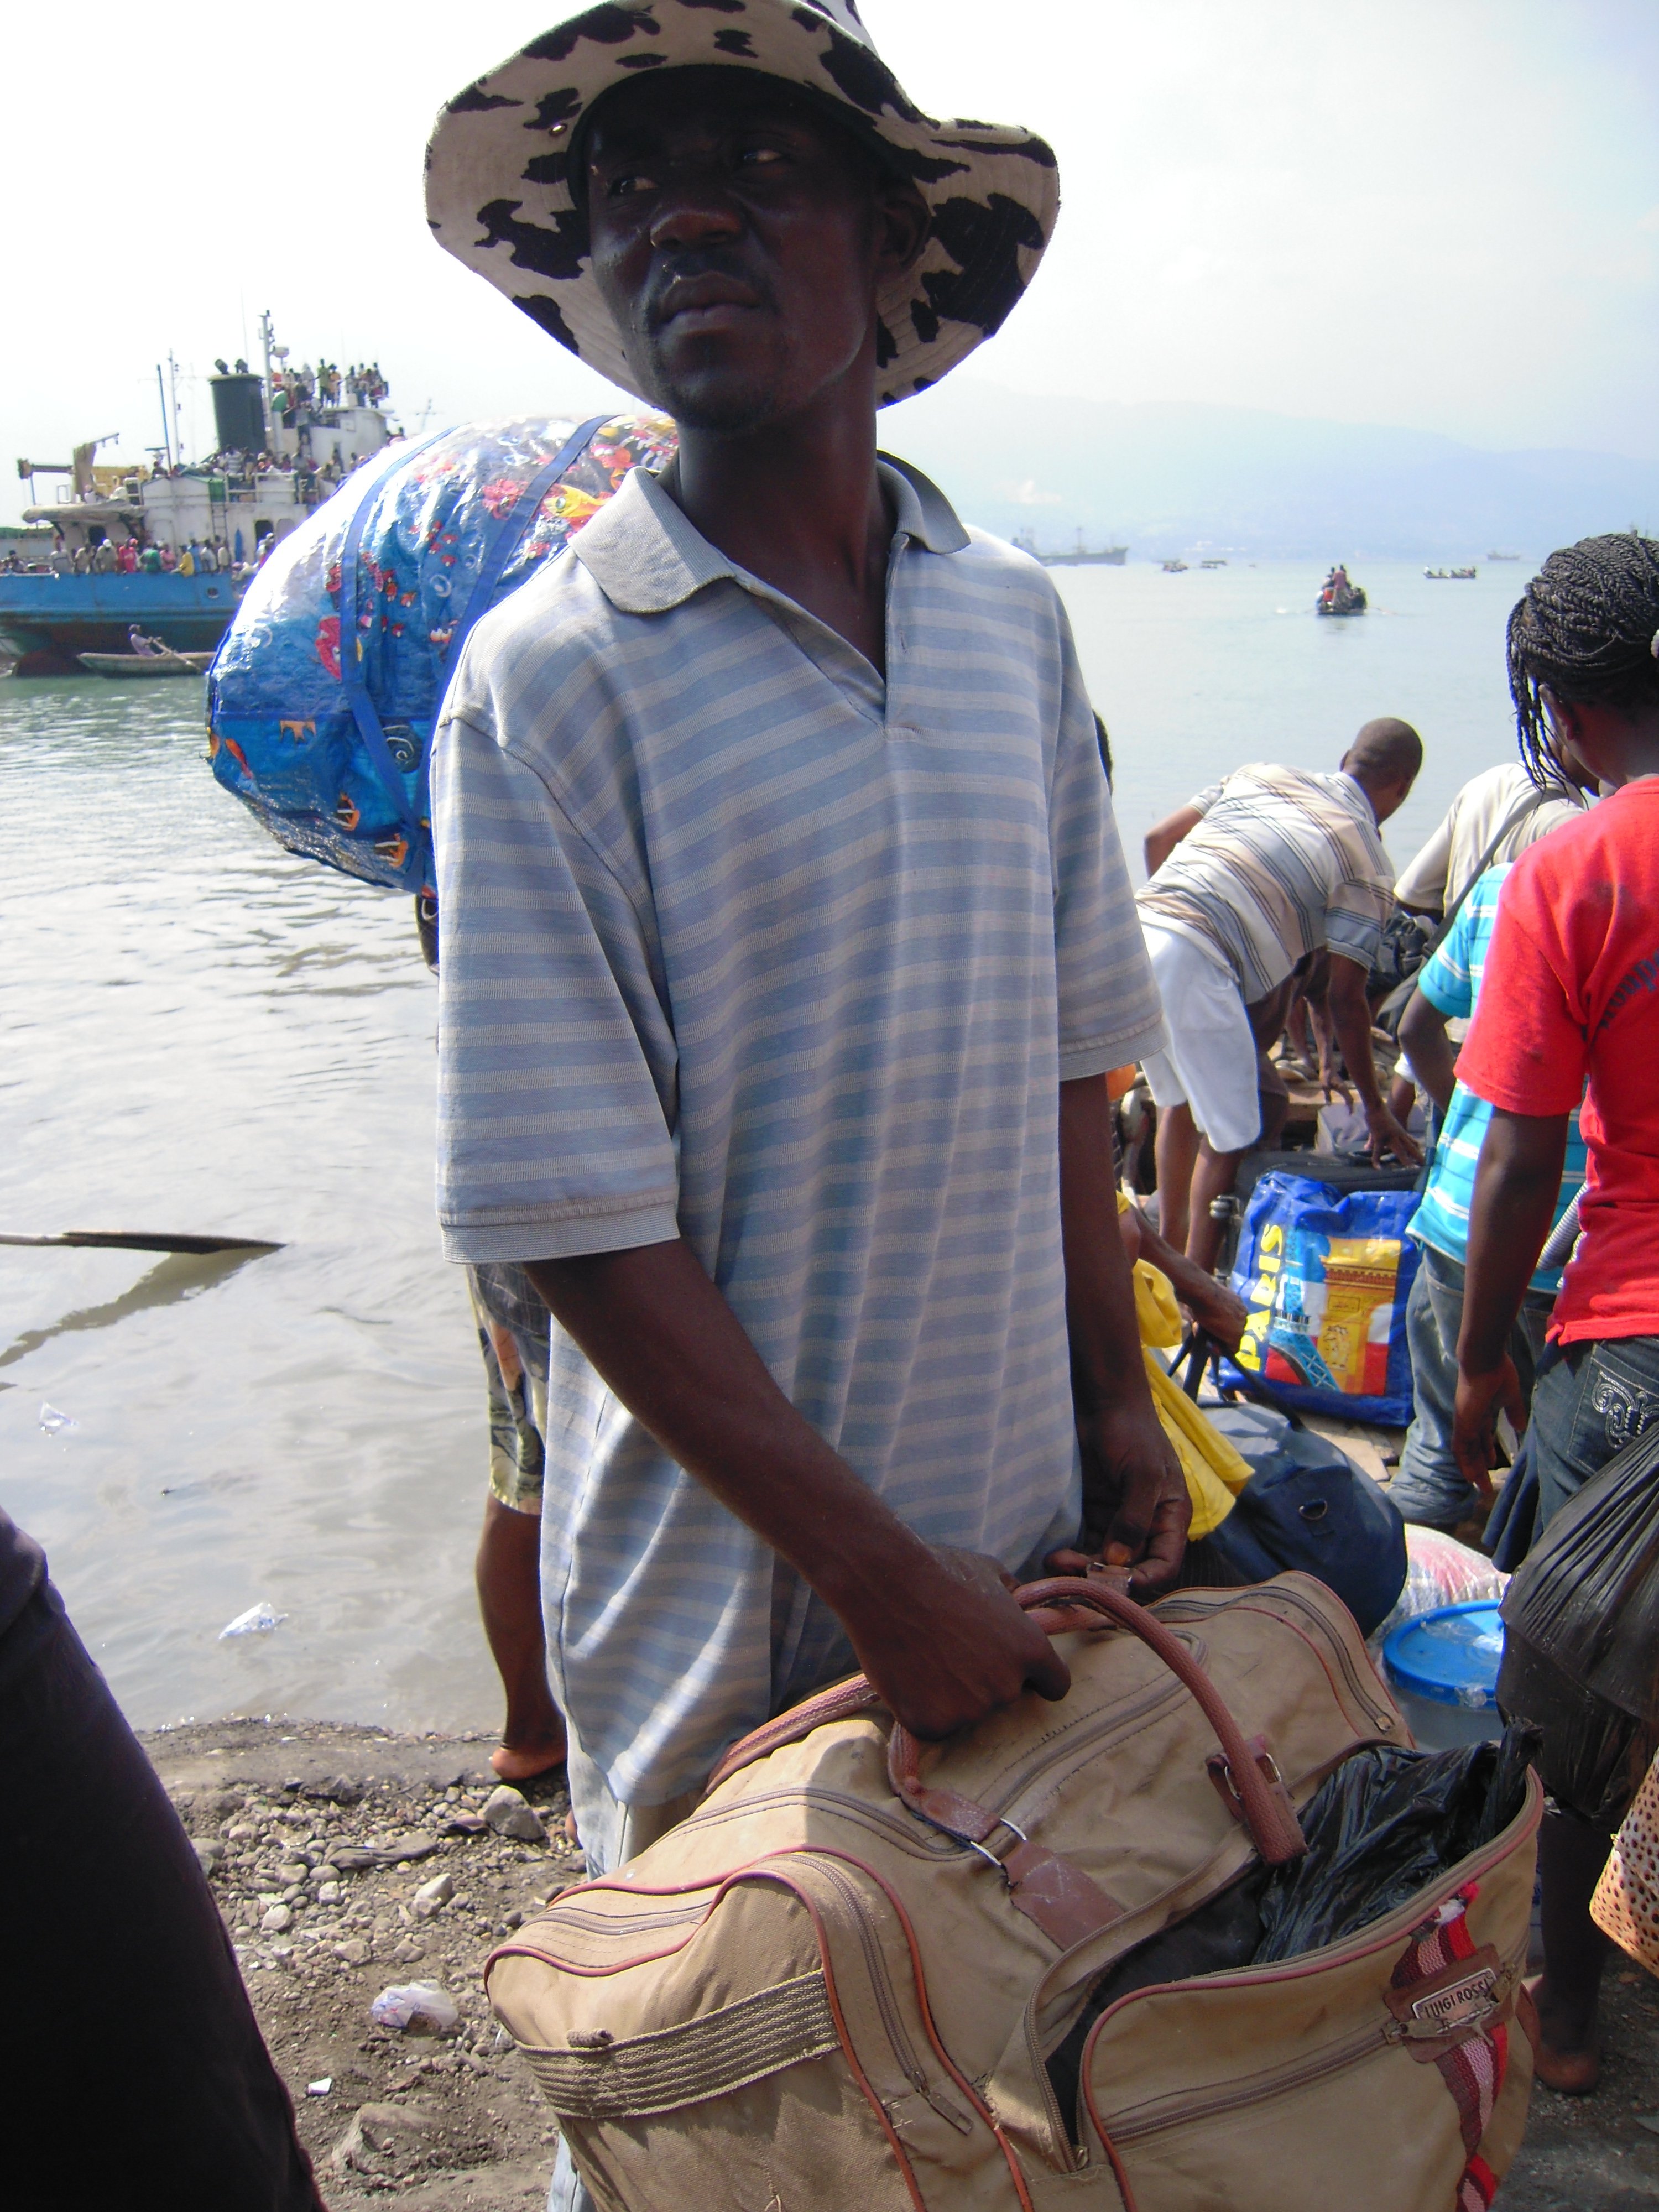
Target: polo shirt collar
x=1350 y=788
x=647 y=556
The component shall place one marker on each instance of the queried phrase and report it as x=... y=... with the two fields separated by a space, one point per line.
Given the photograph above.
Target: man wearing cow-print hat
x=788 y=936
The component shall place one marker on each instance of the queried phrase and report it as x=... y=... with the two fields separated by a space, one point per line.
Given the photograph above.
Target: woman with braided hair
x=1570 y=1004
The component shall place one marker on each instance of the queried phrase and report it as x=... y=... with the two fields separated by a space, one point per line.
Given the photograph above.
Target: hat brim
x=499 y=191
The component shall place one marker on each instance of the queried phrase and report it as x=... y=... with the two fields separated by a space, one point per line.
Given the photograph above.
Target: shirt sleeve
x=1354 y=919
x=1446 y=978
x=1108 y=1007
x=1202 y=801
x=1526 y=1050
x=555 y=1054
x=1424 y=883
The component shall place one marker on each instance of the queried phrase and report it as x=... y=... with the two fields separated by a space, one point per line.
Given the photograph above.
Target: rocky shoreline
x=347 y=1861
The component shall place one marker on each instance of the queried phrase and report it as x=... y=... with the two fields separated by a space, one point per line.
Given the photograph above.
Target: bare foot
x=515 y=1764
x=570 y=1830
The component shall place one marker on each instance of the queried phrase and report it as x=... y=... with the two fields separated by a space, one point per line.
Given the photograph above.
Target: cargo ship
x=1076 y=556
x=284 y=440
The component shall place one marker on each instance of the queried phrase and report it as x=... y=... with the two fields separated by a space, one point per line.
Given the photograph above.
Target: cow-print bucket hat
x=499 y=195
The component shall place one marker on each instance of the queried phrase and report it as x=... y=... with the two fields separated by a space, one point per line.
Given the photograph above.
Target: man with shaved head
x=1247 y=879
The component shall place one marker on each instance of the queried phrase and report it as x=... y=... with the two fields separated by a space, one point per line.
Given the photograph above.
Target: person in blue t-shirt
x=1431 y=1487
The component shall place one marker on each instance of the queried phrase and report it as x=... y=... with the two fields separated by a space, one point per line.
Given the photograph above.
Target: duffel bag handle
x=1063 y=1900
x=1264 y=1803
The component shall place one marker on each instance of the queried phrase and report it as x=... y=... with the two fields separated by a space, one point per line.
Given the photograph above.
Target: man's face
x=737 y=239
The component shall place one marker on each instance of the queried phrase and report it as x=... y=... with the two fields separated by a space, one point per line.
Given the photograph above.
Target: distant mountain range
x=1176 y=478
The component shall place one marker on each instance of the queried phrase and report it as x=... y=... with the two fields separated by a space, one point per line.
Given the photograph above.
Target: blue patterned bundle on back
x=322 y=699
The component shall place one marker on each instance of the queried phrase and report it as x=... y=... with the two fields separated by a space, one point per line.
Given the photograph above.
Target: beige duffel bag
x=834 y=1987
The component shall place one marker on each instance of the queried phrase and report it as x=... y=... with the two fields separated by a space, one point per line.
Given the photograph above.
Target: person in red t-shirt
x=1569 y=1004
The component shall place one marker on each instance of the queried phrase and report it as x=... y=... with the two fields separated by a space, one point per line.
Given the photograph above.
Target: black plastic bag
x=1381 y=1829
x=1587 y=1596
x=1384 y=1826
x=1592 y=1753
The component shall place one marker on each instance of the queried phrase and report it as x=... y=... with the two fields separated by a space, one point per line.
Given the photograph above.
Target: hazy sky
x=1443 y=214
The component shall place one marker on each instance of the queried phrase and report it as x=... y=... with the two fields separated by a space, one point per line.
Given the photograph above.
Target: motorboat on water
x=1450 y=575
x=1174 y=567
x=285 y=441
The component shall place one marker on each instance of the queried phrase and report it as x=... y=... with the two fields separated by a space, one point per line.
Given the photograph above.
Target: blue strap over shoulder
x=351 y=657
x=505 y=538
x=508 y=536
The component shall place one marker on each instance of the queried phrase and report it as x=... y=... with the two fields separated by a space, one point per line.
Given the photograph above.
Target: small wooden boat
x=1175 y=567
x=1336 y=600
x=1450 y=575
x=167 y=663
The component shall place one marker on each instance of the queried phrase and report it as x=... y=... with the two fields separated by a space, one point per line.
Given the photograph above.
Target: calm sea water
x=200 y=1033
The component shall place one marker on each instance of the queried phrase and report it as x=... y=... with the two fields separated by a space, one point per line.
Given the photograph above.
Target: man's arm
x=936 y=1632
x=1218 y=1311
x=1163 y=836
x=1135 y=1505
x=1516 y=1186
x=1424 y=1041
x=1351 y=1017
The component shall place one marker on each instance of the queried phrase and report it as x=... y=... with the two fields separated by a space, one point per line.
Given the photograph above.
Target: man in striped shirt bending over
x=789 y=938
x=1247 y=879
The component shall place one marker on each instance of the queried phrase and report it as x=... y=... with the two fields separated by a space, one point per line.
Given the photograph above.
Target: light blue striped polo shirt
x=1450 y=981
x=744 y=944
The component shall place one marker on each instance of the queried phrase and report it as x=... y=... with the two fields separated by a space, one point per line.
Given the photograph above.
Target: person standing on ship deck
x=789 y=938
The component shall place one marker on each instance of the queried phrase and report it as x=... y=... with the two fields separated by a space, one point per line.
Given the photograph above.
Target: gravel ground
x=319 y=1839
x=318 y=1842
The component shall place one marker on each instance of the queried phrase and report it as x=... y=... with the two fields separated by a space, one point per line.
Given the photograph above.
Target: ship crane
x=80 y=467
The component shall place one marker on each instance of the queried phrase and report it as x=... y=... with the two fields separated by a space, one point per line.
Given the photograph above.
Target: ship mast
x=166 y=434
x=267 y=340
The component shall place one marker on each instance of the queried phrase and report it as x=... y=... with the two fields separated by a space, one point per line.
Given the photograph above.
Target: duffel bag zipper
x=1365 y=1694
x=887 y=2003
x=1093 y=1736
x=1365 y=1697
x=1256 y=2090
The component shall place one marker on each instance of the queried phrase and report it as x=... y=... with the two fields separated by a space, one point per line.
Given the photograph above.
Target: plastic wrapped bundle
x=322 y=698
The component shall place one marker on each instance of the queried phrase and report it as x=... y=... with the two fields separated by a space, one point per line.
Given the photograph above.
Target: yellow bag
x=1215 y=1473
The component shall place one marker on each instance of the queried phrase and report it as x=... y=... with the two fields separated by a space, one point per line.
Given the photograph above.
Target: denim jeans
x=1599 y=1398
x=1431 y=1487
x=568 y=2192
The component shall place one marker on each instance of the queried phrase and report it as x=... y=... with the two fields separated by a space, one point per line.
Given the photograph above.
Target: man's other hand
x=951 y=1647
x=1480 y=1398
x=1136 y=1509
x=1218 y=1311
x=1387 y=1135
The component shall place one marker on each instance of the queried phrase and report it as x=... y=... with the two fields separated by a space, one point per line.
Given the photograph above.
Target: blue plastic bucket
x=1443 y=1668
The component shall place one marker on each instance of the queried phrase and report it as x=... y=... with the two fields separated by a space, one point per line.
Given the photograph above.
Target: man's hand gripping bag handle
x=1066 y=1903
